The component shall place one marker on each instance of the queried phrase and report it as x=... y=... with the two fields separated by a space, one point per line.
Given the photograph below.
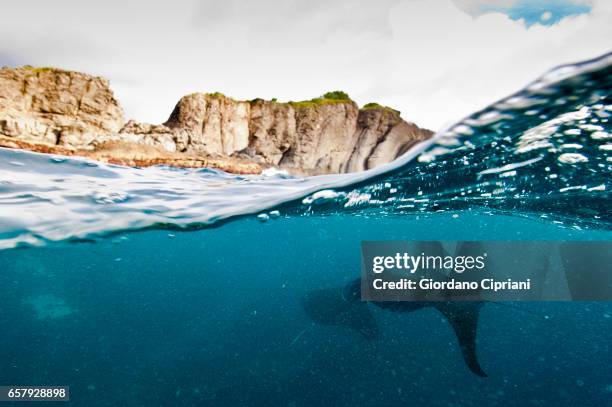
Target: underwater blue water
x=170 y=287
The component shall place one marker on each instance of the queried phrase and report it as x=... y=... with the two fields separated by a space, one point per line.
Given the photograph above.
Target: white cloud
x=450 y=70
x=547 y=15
x=428 y=59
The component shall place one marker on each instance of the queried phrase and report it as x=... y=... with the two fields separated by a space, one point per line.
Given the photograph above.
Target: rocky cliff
x=52 y=110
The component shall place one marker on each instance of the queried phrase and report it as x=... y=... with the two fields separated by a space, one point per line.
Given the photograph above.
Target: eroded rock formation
x=56 y=107
x=77 y=113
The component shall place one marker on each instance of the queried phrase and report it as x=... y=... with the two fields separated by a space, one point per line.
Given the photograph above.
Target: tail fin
x=463 y=317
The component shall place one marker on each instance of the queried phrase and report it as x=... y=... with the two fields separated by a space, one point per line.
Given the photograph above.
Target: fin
x=463 y=317
x=363 y=322
x=331 y=307
x=352 y=291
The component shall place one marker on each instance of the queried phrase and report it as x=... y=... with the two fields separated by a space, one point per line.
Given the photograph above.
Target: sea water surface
x=179 y=287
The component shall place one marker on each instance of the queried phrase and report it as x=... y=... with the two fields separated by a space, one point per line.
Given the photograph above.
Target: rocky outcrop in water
x=49 y=109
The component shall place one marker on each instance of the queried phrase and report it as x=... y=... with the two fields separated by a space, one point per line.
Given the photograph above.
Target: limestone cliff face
x=211 y=124
x=325 y=135
x=56 y=107
x=382 y=136
x=314 y=137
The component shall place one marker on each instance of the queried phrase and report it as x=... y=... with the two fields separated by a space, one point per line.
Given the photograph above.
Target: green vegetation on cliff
x=40 y=68
x=217 y=95
x=328 y=98
x=376 y=106
x=336 y=95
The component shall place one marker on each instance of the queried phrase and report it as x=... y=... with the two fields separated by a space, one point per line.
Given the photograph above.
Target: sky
x=434 y=60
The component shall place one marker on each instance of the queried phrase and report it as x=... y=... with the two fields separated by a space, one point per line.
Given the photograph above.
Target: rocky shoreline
x=136 y=155
x=55 y=111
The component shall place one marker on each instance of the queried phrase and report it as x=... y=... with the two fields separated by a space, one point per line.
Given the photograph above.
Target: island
x=56 y=111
